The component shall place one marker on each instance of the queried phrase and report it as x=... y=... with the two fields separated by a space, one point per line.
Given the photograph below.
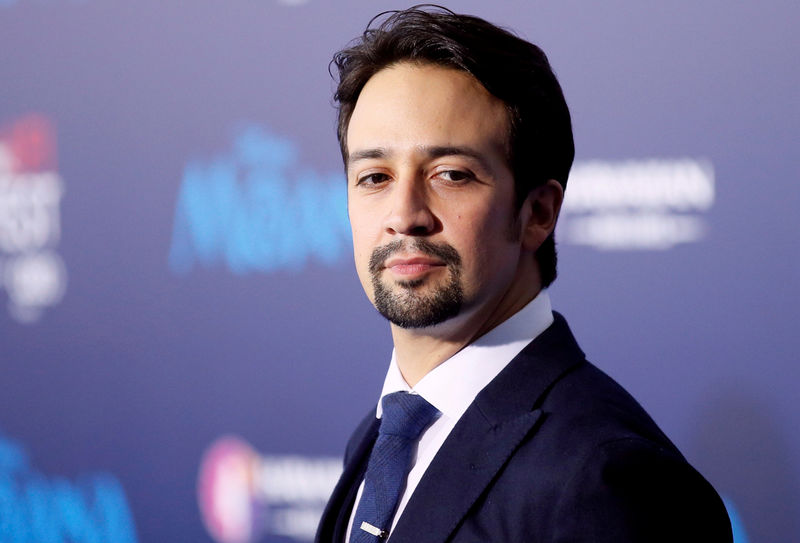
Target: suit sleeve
x=633 y=490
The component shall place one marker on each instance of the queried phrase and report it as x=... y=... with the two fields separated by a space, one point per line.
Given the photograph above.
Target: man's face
x=430 y=195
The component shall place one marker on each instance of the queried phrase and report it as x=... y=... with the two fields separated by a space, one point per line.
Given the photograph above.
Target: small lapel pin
x=374 y=530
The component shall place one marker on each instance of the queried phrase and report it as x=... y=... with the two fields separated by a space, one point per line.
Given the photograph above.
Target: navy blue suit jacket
x=551 y=450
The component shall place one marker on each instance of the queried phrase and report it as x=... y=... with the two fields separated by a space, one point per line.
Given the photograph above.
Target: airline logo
x=31 y=271
x=244 y=496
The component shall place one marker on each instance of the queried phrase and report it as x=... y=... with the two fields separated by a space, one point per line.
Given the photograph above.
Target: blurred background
x=184 y=346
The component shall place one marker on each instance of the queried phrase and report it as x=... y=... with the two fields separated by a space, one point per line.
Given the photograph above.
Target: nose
x=410 y=213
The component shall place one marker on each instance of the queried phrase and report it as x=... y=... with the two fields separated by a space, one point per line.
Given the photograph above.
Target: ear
x=543 y=205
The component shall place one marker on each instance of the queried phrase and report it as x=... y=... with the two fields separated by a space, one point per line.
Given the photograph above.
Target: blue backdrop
x=184 y=346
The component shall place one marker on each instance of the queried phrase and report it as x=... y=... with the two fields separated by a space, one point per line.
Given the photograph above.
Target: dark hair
x=515 y=71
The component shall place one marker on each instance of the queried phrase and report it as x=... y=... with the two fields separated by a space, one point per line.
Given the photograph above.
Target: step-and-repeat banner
x=184 y=347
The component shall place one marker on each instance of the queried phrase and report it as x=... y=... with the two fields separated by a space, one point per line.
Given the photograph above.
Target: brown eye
x=455 y=176
x=372 y=179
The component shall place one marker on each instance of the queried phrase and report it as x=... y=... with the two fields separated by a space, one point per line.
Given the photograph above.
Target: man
x=492 y=426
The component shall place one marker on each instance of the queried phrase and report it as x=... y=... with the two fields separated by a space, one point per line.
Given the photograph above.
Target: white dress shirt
x=452 y=385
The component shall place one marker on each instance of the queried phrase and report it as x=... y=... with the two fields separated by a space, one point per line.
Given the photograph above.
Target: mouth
x=413 y=261
x=410 y=267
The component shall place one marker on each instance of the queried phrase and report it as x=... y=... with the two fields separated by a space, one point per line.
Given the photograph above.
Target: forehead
x=410 y=105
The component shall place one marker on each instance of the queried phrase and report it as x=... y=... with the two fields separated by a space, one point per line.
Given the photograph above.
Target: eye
x=372 y=179
x=455 y=176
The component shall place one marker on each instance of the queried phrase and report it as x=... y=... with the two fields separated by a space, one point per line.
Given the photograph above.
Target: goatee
x=404 y=305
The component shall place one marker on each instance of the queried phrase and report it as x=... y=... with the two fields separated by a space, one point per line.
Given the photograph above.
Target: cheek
x=361 y=251
x=363 y=216
x=486 y=243
x=477 y=227
x=357 y=228
x=362 y=270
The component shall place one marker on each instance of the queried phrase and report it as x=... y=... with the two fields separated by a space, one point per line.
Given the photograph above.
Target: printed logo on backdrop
x=256 y=208
x=635 y=205
x=34 y=507
x=244 y=496
x=31 y=271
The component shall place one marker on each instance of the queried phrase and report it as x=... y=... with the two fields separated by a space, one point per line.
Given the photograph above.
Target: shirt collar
x=452 y=385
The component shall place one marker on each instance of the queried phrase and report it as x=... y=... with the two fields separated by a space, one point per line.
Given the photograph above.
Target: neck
x=420 y=350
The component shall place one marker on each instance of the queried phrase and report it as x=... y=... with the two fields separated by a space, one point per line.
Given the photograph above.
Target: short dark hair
x=540 y=143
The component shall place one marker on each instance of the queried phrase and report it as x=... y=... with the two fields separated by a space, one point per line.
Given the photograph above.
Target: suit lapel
x=486 y=436
x=465 y=465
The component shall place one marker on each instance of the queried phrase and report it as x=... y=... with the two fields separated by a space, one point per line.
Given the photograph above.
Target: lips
x=411 y=261
x=413 y=257
x=412 y=265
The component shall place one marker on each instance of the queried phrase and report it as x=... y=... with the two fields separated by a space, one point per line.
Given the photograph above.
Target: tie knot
x=406 y=415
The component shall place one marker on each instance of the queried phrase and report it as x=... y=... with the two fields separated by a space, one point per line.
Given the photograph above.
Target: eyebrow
x=431 y=152
x=366 y=154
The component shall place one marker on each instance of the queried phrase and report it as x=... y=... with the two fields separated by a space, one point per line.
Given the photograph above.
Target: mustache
x=443 y=251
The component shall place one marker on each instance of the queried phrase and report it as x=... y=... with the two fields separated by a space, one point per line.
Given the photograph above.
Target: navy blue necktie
x=404 y=418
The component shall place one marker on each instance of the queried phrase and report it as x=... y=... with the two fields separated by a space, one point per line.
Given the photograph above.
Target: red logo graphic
x=30 y=144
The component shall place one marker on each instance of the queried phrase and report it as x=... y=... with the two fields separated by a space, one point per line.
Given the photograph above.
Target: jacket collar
x=486 y=436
